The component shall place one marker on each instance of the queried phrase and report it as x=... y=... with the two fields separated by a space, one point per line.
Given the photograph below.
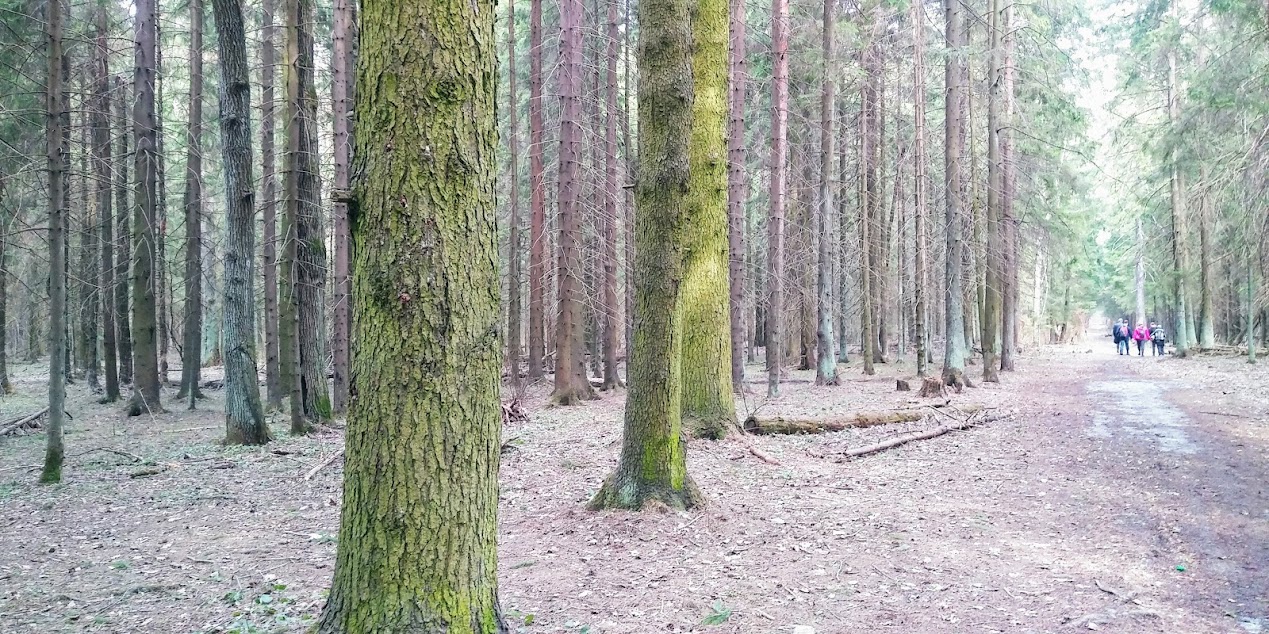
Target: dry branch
x=973 y=421
x=23 y=421
x=312 y=472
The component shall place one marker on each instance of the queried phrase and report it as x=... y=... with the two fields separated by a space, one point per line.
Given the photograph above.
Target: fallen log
x=922 y=435
x=788 y=425
x=22 y=421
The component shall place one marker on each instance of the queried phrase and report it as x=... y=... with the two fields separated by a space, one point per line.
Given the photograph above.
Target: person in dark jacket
x=1122 y=336
x=1158 y=337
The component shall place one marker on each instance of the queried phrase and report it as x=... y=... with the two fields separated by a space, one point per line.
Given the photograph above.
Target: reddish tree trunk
x=537 y=199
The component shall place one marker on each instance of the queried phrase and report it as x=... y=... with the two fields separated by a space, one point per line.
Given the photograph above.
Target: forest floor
x=1125 y=495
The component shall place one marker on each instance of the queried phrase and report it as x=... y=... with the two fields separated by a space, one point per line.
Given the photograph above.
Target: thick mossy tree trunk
x=418 y=531
x=244 y=415
x=653 y=463
x=192 y=349
x=708 y=407
x=145 y=387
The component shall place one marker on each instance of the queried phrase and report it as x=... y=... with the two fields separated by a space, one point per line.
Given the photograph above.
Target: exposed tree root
x=626 y=491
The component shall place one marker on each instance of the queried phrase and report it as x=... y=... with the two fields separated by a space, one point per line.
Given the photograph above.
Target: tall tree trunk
x=89 y=257
x=631 y=171
x=123 y=252
x=708 y=407
x=1176 y=190
x=341 y=65
x=102 y=166
x=308 y=273
x=870 y=195
x=244 y=416
x=991 y=250
x=653 y=463
x=55 y=144
x=162 y=277
x=192 y=350
x=1009 y=226
x=1139 y=281
x=920 y=286
x=737 y=190
x=826 y=369
x=537 y=199
x=954 y=330
x=571 y=383
x=275 y=388
x=432 y=337
x=514 y=274
x=6 y=387
x=775 y=223
x=146 y=384
x=612 y=193
x=1206 y=313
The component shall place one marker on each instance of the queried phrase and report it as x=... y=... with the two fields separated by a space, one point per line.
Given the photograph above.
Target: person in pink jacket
x=1141 y=335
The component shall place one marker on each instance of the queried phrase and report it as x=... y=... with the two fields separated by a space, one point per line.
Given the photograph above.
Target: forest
x=633 y=315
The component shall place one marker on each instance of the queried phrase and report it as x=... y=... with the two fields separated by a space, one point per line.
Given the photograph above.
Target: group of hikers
x=1125 y=333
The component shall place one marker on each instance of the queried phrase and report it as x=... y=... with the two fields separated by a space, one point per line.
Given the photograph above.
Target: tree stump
x=931 y=387
x=901 y=385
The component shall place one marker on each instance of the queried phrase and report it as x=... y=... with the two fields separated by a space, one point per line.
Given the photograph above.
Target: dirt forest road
x=1126 y=495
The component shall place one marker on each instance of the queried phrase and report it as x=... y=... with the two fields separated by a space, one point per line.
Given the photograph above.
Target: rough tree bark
x=737 y=188
x=513 y=176
x=992 y=249
x=146 y=385
x=102 y=166
x=826 y=368
x=571 y=383
x=6 y=387
x=55 y=146
x=1009 y=323
x=653 y=464
x=341 y=66
x=1176 y=190
x=954 y=313
x=192 y=350
x=274 y=387
x=920 y=179
x=123 y=238
x=537 y=199
x=308 y=272
x=775 y=223
x=244 y=415
x=428 y=356
x=709 y=410
x=612 y=193
x=1206 y=312
x=870 y=195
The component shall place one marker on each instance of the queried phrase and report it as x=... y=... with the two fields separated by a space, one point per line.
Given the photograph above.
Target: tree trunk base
x=714 y=428
x=574 y=395
x=137 y=406
x=956 y=379
x=623 y=491
x=931 y=387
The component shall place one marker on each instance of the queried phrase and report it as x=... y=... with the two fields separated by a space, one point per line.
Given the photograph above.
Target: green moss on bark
x=418 y=529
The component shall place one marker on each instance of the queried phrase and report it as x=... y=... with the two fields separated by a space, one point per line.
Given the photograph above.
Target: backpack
x=1121 y=332
x=1158 y=335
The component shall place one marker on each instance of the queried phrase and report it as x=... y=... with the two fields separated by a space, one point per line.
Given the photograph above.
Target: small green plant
x=232 y=597
x=120 y=564
x=718 y=615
